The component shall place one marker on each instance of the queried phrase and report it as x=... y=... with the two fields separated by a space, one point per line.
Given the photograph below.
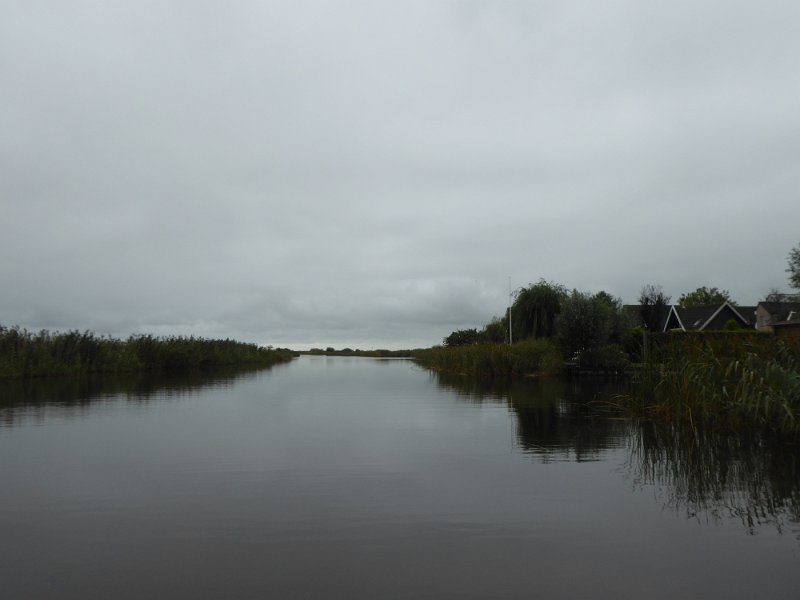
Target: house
x=704 y=318
x=768 y=314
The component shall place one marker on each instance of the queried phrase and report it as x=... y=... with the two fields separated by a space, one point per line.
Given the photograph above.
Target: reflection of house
x=769 y=314
x=712 y=317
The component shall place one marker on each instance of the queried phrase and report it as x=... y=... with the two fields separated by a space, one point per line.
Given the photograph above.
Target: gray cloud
x=371 y=173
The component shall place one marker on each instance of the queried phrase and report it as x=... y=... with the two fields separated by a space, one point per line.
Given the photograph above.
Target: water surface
x=361 y=478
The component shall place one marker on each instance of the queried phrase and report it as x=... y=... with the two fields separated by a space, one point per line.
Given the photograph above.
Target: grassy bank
x=531 y=357
x=27 y=354
x=723 y=380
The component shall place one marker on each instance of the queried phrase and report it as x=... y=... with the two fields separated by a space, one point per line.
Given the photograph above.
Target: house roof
x=748 y=312
x=698 y=317
x=779 y=311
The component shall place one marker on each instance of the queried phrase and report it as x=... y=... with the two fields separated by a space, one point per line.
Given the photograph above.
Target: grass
x=27 y=354
x=529 y=358
x=721 y=382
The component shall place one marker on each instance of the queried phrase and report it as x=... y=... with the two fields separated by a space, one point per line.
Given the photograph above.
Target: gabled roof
x=697 y=318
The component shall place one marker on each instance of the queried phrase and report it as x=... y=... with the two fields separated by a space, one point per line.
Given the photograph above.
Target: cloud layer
x=372 y=173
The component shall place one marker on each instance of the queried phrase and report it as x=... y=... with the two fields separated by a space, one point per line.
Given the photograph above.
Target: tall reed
x=531 y=357
x=715 y=380
x=27 y=354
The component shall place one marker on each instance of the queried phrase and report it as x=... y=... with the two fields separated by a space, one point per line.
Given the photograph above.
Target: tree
x=462 y=337
x=535 y=308
x=653 y=306
x=495 y=331
x=794 y=267
x=703 y=296
x=587 y=321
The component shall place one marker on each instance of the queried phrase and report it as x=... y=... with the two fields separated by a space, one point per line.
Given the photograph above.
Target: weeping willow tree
x=535 y=309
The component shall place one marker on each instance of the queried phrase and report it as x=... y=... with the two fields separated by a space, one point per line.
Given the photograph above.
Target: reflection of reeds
x=531 y=357
x=36 y=398
x=25 y=354
x=753 y=478
x=710 y=380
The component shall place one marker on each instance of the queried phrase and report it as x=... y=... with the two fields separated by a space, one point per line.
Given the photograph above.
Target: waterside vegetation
x=722 y=380
x=549 y=326
x=528 y=358
x=44 y=353
x=725 y=378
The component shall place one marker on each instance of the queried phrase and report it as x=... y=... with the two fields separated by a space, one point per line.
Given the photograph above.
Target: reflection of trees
x=39 y=397
x=753 y=478
x=750 y=477
x=554 y=417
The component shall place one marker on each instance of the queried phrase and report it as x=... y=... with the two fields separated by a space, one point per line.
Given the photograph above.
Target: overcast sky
x=370 y=173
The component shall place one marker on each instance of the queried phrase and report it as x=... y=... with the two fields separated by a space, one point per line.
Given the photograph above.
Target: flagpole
x=510 y=337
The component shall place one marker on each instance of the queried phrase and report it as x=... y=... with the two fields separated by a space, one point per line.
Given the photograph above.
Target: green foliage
x=794 y=267
x=704 y=296
x=26 y=354
x=654 y=305
x=531 y=357
x=536 y=356
x=632 y=341
x=588 y=321
x=495 y=331
x=723 y=379
x=609 y=358
x=732 y=325
x=535 y=309
x=462 y=337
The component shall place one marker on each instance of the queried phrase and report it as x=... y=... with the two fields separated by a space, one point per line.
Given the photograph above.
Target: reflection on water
x=40 y=397
x=751 y=477
x=351 y=478
x=555 y=418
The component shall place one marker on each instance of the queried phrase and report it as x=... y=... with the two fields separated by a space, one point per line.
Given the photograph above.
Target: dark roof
x=694 y=317
x=700 y=317
x=748 y=312
x=779 y=311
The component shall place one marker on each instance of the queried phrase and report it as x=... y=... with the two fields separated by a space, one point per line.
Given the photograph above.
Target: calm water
x=358 y=478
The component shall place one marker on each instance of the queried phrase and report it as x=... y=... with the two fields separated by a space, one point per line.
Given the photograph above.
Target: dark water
x=358 y=478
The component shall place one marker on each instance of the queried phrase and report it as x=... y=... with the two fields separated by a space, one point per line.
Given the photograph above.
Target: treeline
x=28 y=354
x=379 y=353
x=592 y=329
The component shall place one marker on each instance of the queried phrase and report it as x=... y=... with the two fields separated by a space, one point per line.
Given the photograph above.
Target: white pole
x=510 y=337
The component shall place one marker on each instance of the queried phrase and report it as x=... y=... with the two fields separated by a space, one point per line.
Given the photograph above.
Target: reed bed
x=529 y=358
x=721 y=381
x=27 y=354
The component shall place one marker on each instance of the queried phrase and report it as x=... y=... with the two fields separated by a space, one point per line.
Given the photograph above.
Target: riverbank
x=535 y=357
x=44 y=353
x=722 y=380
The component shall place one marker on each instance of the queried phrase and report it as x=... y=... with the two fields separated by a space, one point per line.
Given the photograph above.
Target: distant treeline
x=380 y=353
x=28 y=354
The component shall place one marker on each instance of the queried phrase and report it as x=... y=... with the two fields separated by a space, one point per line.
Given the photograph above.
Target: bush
x=605 y=358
